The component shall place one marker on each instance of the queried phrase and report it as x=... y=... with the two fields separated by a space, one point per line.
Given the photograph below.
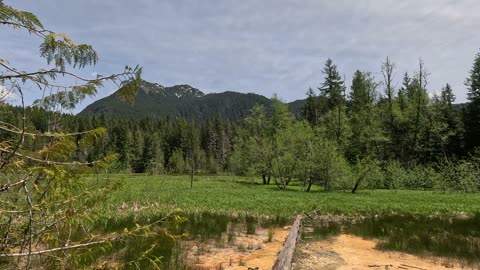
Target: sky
x=262 y=46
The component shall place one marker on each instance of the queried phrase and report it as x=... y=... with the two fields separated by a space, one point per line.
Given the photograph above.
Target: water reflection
x=454 y=237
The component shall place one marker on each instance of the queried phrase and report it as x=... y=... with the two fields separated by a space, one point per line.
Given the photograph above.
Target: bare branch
x=54 y=135
x=40 y=252
x=38 y=32
x=49 y=161
x=9 y=186
x=50 y=72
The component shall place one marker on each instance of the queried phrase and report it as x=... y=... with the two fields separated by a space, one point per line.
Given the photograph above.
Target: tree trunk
x=264 y=178
x=339 y=128
x=309 y=184
x=356 y=186
x=327 y=179
x=191 y=176
x=192 y=170
x=281 y=184
x=359 y=180
x=288 y=181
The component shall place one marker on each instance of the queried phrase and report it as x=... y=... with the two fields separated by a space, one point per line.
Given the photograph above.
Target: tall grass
x=217 y=201
x=146 y=196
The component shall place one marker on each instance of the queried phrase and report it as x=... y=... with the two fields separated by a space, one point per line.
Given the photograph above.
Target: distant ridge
x=181 y=101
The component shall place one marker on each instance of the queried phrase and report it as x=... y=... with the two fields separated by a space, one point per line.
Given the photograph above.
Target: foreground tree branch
x=45 y=196
x=40 y=252
x=49 y=162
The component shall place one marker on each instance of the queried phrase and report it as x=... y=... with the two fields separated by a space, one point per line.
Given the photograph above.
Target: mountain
x=181 y=101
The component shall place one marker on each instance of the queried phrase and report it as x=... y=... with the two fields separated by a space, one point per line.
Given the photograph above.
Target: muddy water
x=215 y=241
x=255 y=251
x=454 y=238
x=344 y=252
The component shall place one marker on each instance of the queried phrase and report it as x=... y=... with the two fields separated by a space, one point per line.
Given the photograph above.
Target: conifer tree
x=333 y=86
x=472 y=114
x=366 y=128
x=46 y=206
x=334 y=116
x=446 y=131
x=311 y=108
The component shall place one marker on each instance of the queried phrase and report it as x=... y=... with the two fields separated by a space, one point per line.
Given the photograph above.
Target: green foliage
x=333 y=87
x=311 y=110
x=177 y=162
x=366 y=128
x=367 y=173
x=61 y=50
x=329 y=167
x=254 y=145
x=292 y=153
x=424 y=177
x=473 y=81
x=335 y=126
x=395 y=175
x=48 y=207
x=19 y=19
x=472 y=113
x=402 y=124
x=463 y=175
x=446 y=128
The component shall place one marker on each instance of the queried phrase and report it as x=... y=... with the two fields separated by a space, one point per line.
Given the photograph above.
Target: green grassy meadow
x=237 y=195
x=407 y=220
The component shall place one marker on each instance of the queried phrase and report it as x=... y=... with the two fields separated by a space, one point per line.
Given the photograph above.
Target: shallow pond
x=453 y=237
x=210 y=236
x=204 y=235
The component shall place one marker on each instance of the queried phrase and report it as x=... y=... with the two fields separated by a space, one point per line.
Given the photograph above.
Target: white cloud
x=265 y=46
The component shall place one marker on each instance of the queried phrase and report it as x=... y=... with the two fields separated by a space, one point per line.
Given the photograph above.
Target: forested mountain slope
x=180 y=101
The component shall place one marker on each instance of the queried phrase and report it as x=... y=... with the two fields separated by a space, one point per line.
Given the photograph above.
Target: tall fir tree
x=311 y=108
x=333 y=87
x=333 y=114
x=366 y=128
x=472 y=113
x=446 y=128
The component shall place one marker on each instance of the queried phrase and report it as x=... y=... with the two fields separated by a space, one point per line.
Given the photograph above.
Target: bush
x=460 y=176
x=422 y=177
x=416 y=177
x=394 y=175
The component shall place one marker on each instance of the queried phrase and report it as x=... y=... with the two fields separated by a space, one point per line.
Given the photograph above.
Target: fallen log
x=412 y=266
x=285 y=256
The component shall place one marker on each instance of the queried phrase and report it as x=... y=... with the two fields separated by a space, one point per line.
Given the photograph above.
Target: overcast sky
x=261 y=46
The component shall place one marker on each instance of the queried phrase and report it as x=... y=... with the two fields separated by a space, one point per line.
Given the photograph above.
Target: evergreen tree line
x=374 y=135
x=147 y=145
